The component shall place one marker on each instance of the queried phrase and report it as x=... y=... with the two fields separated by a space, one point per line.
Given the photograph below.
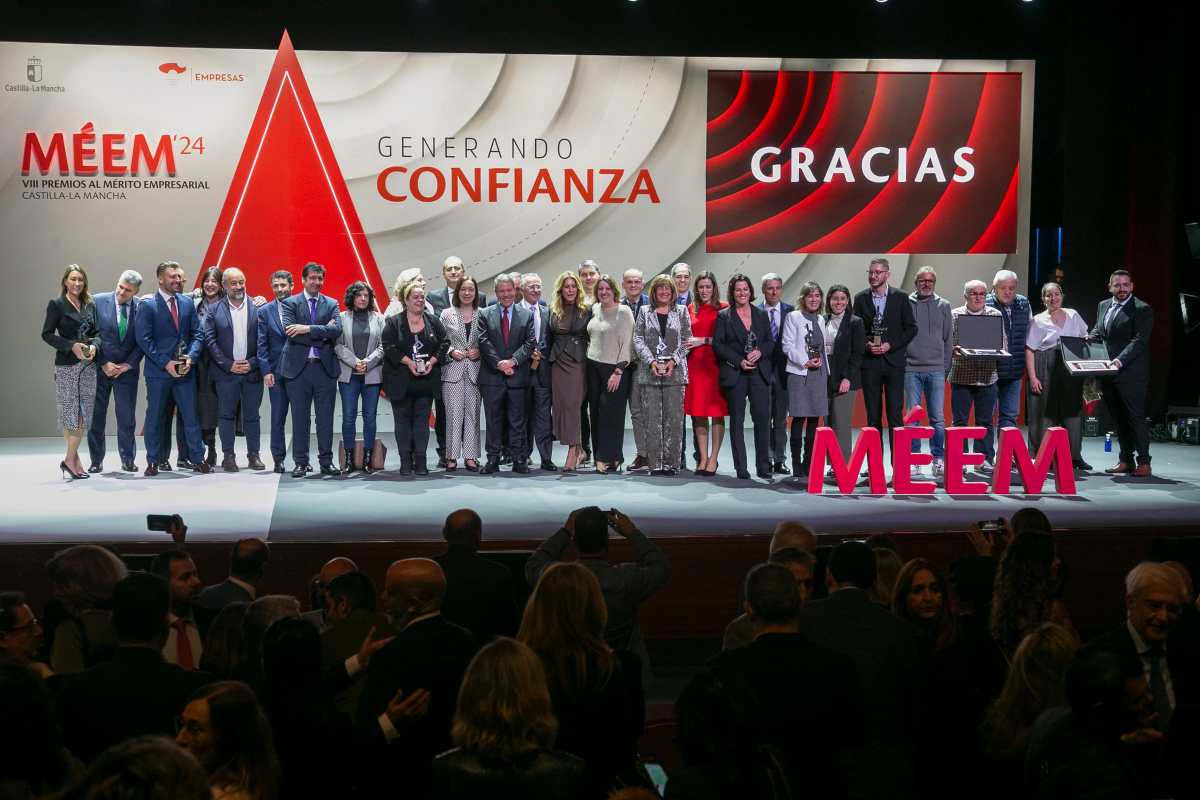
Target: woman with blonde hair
x=82 y=579
x=596 y=692
x=660 y=339
x=406 y=276
x=504 y=729
x=568 y=362
x=224 y=727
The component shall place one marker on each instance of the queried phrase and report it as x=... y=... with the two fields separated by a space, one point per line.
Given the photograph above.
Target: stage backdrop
x=118 y=157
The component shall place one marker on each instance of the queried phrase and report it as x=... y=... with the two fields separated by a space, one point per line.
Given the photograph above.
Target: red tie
x=183 y=645
x=174 y=311
x=504 y=323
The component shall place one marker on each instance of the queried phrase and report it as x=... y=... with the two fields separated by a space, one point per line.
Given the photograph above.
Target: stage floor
x=111 y=507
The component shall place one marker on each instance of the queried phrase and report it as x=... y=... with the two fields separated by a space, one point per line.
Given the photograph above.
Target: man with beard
x=231 y=336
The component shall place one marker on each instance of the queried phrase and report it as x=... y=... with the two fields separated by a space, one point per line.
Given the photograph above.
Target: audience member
x=779 y=656
x=225 y=645
x=920 y=597
x=597 y=693
x=887 y=569
x=479 y=591
x=800 y=563
x=261 y=614
x=338 y=565
x=504 y=732
x=1154 y=596
x=33 y=761
x=145 y=768
x=421 y=668
x=136 y=692
x=185 y=642
x=225 y=729
x=624 y=586
x=1026 y=583
x=791 y=533
x=246 y=567
x=885 y=652
x=83 y=578
x=1035 y=683
x=352 y=619
x=20 y=633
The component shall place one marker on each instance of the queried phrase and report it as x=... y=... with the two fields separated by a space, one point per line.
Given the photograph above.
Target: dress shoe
x=229 y=464
x=254 y=462
x=368 y=469
x=211 y=457
x=164 y=466
x=66 y=470
x=521 y=467
x=1120 y=468
x=505 y=459
x=449 y=465
x=638 y=464
x=129 y=466
x=94 y=468
x=1142 y=471
x=329 y=469
x=490 y=467
x=349 y=469
x=183 y=463
x=670 y=472
x=406 y=466
x=743 y=474
x=548 y=466
x=765 y=473
x=471 y=466
x=1079 y=463
x=419 y=466
x=779 y=468
x=279 y=468
x=151 y=470
x=299 y=471
x=204 y=468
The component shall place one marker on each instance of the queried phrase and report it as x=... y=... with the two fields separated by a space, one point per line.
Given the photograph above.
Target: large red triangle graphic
x=288 y=203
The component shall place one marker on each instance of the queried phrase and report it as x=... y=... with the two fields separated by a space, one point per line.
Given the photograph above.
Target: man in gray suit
x=625 y=586
x=506 y=348
x=537 y=397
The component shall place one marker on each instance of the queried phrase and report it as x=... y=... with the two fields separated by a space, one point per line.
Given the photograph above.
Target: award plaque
x=419 y=358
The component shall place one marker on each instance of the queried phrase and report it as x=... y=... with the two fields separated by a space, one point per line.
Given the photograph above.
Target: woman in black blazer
x=70 y=328
x=743 y=345
x=845 y=341
x=414 y=346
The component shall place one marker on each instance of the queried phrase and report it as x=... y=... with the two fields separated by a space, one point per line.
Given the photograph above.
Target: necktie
x=312 y=318
x=174 y=311
x=1158 y=686
x=774 y=324
x=1112 y=312
x=122 y=320
x=183 y=645
x=504 y=324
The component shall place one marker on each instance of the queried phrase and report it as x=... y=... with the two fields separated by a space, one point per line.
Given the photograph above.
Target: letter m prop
x=1055 y=448
x=869 y=447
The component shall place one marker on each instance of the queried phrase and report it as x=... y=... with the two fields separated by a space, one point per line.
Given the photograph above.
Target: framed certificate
x=1085 y=358
x=981 y=335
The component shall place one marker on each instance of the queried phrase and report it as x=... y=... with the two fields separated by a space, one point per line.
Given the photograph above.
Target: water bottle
x=1108 y=442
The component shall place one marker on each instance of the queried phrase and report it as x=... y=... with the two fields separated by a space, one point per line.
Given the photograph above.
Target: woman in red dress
x=703 y=400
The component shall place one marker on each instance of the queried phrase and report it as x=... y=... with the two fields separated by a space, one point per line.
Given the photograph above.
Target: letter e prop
x=825 y=448
x=903 y=460
x=1055 y=447
x=956 y=460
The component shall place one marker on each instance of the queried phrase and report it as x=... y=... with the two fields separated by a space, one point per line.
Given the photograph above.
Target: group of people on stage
x=567 y=368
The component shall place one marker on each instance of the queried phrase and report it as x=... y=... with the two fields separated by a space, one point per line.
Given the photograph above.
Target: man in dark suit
x=1124 y=324
x=137 y=693
x=885 y=653
x=453 y=271
x=1154 y=597
x=169 y=334
x=884 y=363
x=247 y=564
x=231 y=337
x=506 y=345
x=187 y=623
x=537 y=396
x=351 y=617
x=762 y=673
x=119 y=359
x=423 y=665
x=271 y=340
x=312 y=325
x=635 y=299
x=479 y=591
x=777 y=311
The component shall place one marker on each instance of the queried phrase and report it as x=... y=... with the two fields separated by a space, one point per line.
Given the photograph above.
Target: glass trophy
x=751 y=343
x=85 y=340
x=877 y=331
x=419 y=358
x=180 y=354
x=660 y=354
x=813 y=350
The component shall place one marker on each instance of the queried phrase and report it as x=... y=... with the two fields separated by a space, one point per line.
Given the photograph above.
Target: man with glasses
x=888 y=317
x=972 y=378
x=928 y=363
x=20 y=632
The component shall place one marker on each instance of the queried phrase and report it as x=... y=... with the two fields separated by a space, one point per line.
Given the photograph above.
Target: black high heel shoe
x=75 y=476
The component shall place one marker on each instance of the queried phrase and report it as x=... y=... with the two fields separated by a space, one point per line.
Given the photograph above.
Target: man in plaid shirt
x=973 y=379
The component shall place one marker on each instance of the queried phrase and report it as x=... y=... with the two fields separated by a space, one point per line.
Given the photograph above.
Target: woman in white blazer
x=360 y=356
x=460 y=391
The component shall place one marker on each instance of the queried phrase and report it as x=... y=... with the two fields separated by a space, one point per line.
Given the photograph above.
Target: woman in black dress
x=743 y=344
x=70 y=328
x=414 y=346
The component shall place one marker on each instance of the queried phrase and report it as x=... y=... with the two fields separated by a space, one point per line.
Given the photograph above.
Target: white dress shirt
x=240 y=316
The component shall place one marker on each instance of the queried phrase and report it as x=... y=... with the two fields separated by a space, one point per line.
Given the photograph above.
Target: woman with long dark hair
x=70 y=328
x=743 y=344
x=414 y=347
x=845 y=340
x=703 y=400
x=223 y=726
x=610 y=349
x=360 y=353
x=1027 y=585
x=460 y=376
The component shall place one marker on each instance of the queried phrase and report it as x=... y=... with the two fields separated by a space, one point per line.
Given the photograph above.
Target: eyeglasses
x=976 y=294
x=926 y=280
x=877 y=272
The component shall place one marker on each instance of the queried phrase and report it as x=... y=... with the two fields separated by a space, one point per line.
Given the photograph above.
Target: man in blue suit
x=506 y=346
x=539 y=429
x=777 y=311
x=271 y=340
x=120 y=360
x=231 y=338
x=312 y=325
x=169 y=333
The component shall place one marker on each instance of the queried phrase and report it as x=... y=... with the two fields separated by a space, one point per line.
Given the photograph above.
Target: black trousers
x=412 y=424
x=608 y=411
x=585 y=422
x=439 y=425
x=504 y=404
x=878 y=379
x=750 y=385
x=779 y=414
x=537 y=403
x=1126 y=403
x=802 y=443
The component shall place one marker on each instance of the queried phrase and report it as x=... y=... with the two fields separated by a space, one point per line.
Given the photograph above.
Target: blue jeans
x=983 y=399
x=1009 y=397
x=351 y=392
x=933 y=386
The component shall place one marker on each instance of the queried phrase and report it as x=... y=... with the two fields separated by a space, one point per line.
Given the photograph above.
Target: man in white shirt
x=231 y=338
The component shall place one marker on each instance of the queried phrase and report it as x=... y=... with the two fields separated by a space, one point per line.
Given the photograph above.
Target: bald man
x=247 y=564
x=429 y=653
x=792 y=534
x=231 y=338
x=333 y=568
x=479 y=591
